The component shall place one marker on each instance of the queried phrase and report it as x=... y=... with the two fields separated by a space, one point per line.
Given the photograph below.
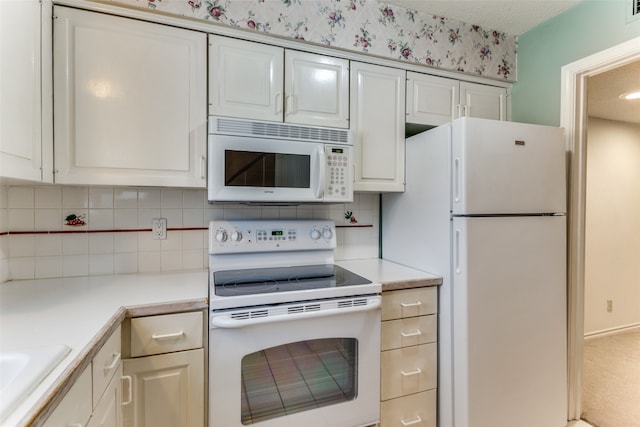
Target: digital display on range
x=337 y=150
x=277 y=233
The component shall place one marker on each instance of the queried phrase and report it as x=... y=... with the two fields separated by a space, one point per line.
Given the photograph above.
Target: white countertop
x=391 y=275
x=74 y=312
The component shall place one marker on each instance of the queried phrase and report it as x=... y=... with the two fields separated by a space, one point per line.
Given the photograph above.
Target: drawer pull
x=411 y=334
x=114 y=362
x=164 y=337
x=417 y=420
x=408 y=374
x=411 y=304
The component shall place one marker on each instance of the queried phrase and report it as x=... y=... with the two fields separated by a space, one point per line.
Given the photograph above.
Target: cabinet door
x=431 y=100
x=75 y=408
x=317 y=89
x=130 y=104
x=482 y=101
x=245 y=79
x=377 y=119
x=168 y=390
x=22 y=69
x=108 y=411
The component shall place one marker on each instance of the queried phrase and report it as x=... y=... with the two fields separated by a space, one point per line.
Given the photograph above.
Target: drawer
x=416 y=410
x=410 y=331
x=409 y=303
x=408 y=370
x=166 y=334
x=105 y=363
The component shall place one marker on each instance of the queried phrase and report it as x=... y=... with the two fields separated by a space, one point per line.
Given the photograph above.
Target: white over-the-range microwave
x=263 y=162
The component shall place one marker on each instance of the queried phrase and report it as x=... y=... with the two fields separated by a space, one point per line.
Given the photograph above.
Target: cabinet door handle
x=410 y=304
x=465 y=109
x=411 y=373
x=74 y=425
x=129 y=389
x=203 y=167
x=114 y=362
x=417 y=420
x=411 y=334
x=289 y=107
x=278 y=103
x=171 y=336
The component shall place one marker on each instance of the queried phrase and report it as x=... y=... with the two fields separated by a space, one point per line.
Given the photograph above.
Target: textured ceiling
x=513 y=17
x=604 y=90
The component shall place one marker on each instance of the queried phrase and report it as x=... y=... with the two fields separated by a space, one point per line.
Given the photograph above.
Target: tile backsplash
x=65 y=231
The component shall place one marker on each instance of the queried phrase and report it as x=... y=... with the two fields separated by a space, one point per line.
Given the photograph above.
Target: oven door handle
x=225 y=321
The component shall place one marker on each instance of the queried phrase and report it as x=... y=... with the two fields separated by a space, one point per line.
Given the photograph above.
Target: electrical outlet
x=609 y=305
x=159 y=228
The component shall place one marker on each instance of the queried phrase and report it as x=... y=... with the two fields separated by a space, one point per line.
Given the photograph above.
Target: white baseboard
x=579 y=423
x=612 y=331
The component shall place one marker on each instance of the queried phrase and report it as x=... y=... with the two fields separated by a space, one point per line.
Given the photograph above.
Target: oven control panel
x=245 y=236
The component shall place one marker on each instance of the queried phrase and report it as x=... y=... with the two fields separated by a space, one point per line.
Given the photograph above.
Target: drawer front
x=416 y=410
x=408 y=370
x=410 y=331
x=166 y=334
x=409 y=303
x=105 y=364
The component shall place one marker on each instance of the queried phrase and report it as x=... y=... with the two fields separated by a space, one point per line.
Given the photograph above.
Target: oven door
x=311 y=364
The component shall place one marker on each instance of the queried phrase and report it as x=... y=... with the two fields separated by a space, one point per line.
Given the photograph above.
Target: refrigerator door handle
x=456 y=180
x=456 y=251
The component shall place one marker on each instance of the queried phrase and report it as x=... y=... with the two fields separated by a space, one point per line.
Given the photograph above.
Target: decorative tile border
x=363 y=26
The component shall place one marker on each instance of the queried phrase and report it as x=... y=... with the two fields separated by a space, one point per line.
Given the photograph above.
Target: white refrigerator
x=484 y=207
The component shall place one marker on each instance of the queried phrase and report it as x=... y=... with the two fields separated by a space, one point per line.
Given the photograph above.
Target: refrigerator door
x=505 y=167
x=509 y=321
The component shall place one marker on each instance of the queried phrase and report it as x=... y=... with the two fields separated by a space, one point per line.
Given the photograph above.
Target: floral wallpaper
x=365 y=26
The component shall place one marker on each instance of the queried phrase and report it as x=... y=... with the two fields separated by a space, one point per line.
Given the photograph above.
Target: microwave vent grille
x=275 y=130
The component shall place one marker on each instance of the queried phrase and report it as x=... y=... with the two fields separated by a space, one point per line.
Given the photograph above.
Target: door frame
x=573 y=118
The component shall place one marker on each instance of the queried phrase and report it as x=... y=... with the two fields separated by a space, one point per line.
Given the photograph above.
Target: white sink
x=22 y=371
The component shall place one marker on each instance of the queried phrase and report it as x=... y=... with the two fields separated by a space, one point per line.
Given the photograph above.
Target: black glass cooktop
x=283 y=279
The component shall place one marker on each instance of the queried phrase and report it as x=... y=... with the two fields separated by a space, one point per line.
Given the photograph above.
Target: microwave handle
x=320 y=158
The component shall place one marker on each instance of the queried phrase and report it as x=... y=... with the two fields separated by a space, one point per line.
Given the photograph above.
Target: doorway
x=574 y=120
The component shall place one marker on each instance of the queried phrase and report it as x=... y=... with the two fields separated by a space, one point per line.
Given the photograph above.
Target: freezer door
x=505 y=167
x=509 y=322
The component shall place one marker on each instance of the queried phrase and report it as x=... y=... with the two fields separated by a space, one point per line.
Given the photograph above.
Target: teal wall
x=587 y=28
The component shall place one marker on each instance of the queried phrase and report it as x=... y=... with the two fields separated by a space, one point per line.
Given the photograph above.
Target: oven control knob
x=327 y=233
x=221 y=236
x=315 y=234
x=236 y=236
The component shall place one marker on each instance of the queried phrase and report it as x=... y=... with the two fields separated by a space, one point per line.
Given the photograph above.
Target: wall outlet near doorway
x=159 y=228
x=609 y=305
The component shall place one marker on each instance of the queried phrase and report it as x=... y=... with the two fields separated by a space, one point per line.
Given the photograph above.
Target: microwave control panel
x=338 y=181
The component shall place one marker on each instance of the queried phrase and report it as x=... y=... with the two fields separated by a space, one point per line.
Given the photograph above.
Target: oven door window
x=258 y=169
x=297 y=377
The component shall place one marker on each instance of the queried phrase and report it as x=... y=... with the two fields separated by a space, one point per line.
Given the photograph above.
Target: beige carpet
x=611 y=389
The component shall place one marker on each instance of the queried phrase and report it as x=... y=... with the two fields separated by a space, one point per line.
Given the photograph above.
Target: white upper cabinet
x=377 y=115
x=316 y=89
x=245 y=79
x=25 y=83
x=257 y=81
x=435 y=100
x=130 y=101
x=482 y=101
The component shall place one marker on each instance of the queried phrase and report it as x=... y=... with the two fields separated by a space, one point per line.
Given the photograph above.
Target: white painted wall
x=612 y=255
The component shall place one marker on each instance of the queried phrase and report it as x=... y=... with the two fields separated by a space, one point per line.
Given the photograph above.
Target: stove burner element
x=283 y=279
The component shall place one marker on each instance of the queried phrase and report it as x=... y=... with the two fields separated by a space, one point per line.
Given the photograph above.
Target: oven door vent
x=352 y=303
x=253 y=314
x=303 y=308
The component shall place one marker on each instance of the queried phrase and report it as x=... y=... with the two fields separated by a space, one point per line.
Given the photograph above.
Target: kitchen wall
x=587 y=28
x=612 y=270
x=64 y=231
x=364 y=26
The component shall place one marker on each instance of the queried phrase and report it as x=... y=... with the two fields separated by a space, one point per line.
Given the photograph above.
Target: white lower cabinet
x=167 y=390
x=75 y=408
x=166 y=371
x=95 y=398
x=409 y=358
